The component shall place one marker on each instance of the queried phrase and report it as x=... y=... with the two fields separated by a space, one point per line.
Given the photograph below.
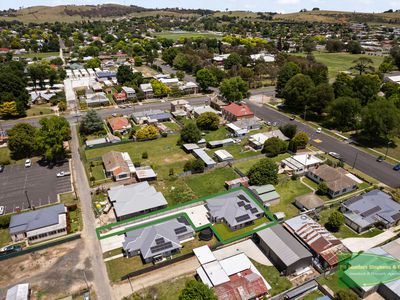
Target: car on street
x=1 y=169
x=335 y=155
x=114 y=115
x=28 y=163
x=292 y=117
x=1 y=210
x=269 y=123
x=63 y=173
x=380 y=158
x=396 y=167
x=319 y=130
x=10 y=249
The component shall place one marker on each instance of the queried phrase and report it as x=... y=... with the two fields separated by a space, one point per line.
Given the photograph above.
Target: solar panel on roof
x=180 y=230
x=242 y=218
x=161 y=247
x=370 y=211
x=159 y=241
x=253 y=210
x=241 y=197
x=241 y=203
x=183 y=220
x=247 y=207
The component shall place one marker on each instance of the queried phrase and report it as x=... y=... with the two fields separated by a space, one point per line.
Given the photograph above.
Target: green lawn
x=219 y=134
x=393 y=150
x=338 y=62
x=288 y=190
x=5 y=238
x=5 y=155
x=345 y=231
x=335 y=284
x=245 y=166
x=271 y=274
x=172 y=126
x=163 y=154
x=68 y=198
x=309 y=182
x=113 y=252
x=210 y=182
x=312 y=296
x=175 y=190
x=226 y=233
x=39 y=55
x=237 y=150
x=175 y=36
x=98 y=172
x=75 y=217
x=38 y=110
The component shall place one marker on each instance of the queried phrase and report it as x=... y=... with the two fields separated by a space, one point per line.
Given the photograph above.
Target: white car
x=1 y=210
x=28 y=163
x=319 y=130
x=335 y=155
x=62 y=174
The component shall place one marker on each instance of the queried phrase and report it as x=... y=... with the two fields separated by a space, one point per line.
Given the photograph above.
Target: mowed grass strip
x=226 y=233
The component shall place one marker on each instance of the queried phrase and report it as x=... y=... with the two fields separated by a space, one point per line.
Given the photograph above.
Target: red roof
x=118 y=123
x=4 y=50
x=120 y=96
x=243 y=285
x=238 y=110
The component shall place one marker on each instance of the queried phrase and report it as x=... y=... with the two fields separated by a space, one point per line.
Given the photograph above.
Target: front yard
x=246 y=165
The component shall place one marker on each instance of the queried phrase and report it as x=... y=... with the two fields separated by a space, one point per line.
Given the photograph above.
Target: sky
x=283 y=6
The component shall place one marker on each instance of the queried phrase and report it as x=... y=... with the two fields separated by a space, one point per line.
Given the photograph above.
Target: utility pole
x=27 y=198
x=87 y=284
x=387 y=149
x=355 y=160
x=305 y=112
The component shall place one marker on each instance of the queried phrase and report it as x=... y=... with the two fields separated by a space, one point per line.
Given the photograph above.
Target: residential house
x=336 y=179
x=118 y=165
x=40 y=224
x=323 y=244
x=3 y=137
x=234 y=112
x=120 y=97
x=309 y=202
x=262 y=56
x=198 y=110
x=97 y=99
x=41 y=97
x=286 y=253
x=119 y=124
x=235 y=209
x=242 y=127
x=151 y=116
x=135 y=199
x=367 y=210
x=169 y=81
x=189 y=88
x=96 y=87
x=159 y=241
x=130 y=93
x=257 y=141
x=300 y=164
x=147 y=89
x=178 y=105
x=266 y=194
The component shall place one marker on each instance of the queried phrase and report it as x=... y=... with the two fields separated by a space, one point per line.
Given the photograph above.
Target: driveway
x=40 y=182
x=363 y=244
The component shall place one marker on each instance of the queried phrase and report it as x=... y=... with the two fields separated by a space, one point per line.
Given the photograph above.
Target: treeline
x=104 y=11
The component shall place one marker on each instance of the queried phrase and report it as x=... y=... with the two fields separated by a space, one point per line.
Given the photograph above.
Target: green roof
x=262 y=189
x=269 y=196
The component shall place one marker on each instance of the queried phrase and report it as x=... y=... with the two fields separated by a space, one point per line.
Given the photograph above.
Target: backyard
x=335 y=284
x=245 y=166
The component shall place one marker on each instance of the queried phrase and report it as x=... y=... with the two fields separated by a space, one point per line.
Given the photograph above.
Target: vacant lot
x=338 y=62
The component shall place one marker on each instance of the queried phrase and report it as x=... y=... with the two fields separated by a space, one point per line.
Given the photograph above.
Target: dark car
x=396 y=167
x=10 y=249
x=380 y=159
x=1 y=169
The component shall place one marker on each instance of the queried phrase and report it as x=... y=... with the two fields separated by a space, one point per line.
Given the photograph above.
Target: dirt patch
x=51 y=273
x=175 y=157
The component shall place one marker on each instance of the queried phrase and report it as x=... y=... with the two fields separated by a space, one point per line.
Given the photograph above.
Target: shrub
x=5 y=221
x=335 y=220
x=263 y=172
x=274 y=146
x=208 y=121
x=164 y=134
x=194 y=165
x=145 y=155
x=147 y=132
x=322 y=189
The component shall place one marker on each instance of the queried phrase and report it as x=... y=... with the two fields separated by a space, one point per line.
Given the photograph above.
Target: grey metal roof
x=36 y=219
x=372 y=207
x=133 y=198
x=221 y=142
x=18 y=292
x=200 y=153
x=157 y=239
x=235 y=207
x=283 y=244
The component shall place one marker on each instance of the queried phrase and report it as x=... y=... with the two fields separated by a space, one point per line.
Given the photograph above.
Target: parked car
x=1 y=210
x=1 y=169
x=319 y=130
x=380 y=158
x=63 y=173
x=335 y=155
x=86 y=296
x=28 y=163
x=396 y=167
x=292 y=117
x=10 y=249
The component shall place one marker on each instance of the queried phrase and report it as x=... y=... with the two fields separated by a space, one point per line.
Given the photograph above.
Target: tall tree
x=343 y=85
x=196 y=290
x=124 y=74
x=363 y=65
x=289 y=70
x=234 y=89
x=321 y=97
x=395 y=54
x=208 y=121
x=233 y=60
x=22 y=140
x=205 y=78
x=345 y=113
x=263 y=172
x=298 y=91
x=366 y=87
x=190 y=133
x=91 y=123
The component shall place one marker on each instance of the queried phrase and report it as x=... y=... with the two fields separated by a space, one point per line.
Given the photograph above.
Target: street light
x=387 y=149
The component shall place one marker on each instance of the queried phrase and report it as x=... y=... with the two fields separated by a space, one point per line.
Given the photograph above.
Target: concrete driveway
x=363 y=244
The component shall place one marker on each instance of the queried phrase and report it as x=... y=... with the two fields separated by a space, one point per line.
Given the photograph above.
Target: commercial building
x=40 y=224
x=364 y=211
x=235 y=209
x=285 y=251
x=336 y=179
x=135 y=199
x=159 y=241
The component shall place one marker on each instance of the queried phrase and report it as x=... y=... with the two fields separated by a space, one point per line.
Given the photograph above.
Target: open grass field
x=226 y=233
x=338 y=62
x=38 y=110
x=289 y=190
x=271 y=274
x=211 y=182
x=177 y=35
x=219 y=134
x=39 y=54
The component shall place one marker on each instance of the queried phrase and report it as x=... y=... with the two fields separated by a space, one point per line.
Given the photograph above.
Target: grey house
x=158 y=241
x=366 y=210
x=235 y=209
x=39 y=225
x=284 y=250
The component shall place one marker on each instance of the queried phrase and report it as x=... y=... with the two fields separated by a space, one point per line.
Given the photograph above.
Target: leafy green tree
x=233 y=59
x=147 y=132
x=205 y=78
x=159 y=88
x=56 y=61
x=387 y=65
x=345 y=113
x=334 y=45
x=322 y=188
x=196 y=290
x=366 y=87
x=343 y=85
x=234 y=89
x=93 y=63
x=51 y=136
x=190 y=133
x=8 y=109
x=363 y=65
x=13 y=89
x=180 y=75
x=138 y=61
x=380 y=119
x=274 y=146
x=289 y=130
x=301 y=139
x=263 y=172
x=194 y=165
x=292 y=147
x=39 y=72
x=298 y=91
x=208 y=121
x=124 y=74
x=321 y=97
x=21 y=140
x=395 y=54
x=390 y=89
x=335 y=221
x=354 y=47
x=91 y=123
x=168 y=55
x=182 y=62
x=289 y=70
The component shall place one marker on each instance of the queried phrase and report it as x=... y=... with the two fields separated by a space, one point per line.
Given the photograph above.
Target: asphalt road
x=362 y=161
x=40 y=182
